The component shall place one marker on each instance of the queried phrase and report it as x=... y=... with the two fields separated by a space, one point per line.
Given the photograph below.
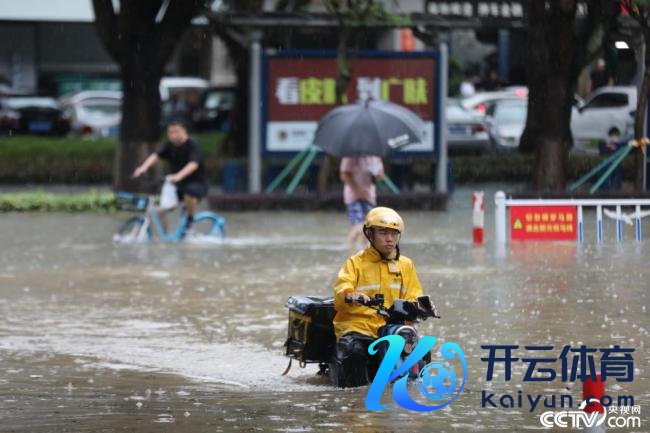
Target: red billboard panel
x=301 y=90
x=543 y=223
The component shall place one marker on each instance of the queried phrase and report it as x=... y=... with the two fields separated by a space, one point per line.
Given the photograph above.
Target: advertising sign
x=543 y=223
x=301 y=88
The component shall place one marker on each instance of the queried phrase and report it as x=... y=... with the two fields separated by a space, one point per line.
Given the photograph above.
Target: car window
x=222 y=100
x=608 y=100
x=99 y=108
x=455 y=110
x=510 y=113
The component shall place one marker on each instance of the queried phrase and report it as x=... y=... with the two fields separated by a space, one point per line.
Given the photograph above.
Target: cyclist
x=187 y=165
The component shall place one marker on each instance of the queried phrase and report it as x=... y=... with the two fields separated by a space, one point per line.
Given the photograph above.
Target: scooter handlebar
x=378 y=300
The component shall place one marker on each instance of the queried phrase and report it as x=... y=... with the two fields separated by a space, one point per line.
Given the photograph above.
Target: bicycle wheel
x=209 y=224
x=132 y=231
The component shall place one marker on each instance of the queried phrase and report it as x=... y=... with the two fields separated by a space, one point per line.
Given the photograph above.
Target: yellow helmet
x=384 y=217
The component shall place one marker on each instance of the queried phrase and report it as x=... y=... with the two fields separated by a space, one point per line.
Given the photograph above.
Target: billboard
x=543 y=223
x=300 y=88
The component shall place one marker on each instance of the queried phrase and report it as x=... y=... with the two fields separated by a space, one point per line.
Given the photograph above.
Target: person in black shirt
x=186 y=164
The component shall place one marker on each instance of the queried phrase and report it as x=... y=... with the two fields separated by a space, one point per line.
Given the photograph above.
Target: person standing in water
x=359 y=192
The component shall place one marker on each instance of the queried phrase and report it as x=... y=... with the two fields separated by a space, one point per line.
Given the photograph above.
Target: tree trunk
x=343 y=71
x=141 y=42
x=551 y=86
x=343 y=74
x=639 y=117
x=140 y=131
x=235 y=142
x=558 y=50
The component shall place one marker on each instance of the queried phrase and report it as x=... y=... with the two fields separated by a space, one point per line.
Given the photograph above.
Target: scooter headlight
x=410 y=338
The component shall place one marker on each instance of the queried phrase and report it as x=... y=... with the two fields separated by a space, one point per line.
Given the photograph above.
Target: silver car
x=506 y=122
x=465 y=130
x=94 y=112
x=483 y=102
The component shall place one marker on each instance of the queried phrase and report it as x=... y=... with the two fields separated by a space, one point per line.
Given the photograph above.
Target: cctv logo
x=577 y=418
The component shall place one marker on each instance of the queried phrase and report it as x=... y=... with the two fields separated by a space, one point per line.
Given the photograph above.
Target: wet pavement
x=102 y=338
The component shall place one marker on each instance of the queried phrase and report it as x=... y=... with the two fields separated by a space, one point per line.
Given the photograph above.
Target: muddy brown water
x=102 y=338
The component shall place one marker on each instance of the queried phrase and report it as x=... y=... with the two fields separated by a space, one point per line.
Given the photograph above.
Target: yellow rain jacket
x=366 y=272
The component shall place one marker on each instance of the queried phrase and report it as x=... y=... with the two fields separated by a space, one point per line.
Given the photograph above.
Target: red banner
x=545 y=223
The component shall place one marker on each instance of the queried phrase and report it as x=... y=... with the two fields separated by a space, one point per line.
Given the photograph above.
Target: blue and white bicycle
x=208 y=227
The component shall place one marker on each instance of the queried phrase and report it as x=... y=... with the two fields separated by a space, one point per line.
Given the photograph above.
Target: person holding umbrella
x=359 y=193
x=360 y=134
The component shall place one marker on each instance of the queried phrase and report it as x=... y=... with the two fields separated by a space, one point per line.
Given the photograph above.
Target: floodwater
x=102 y=338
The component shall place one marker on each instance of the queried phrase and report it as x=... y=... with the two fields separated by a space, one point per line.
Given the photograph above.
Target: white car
x=506 y=122
x=170 y=86
x=483 y=102
x=606 y=108
x=94 y=112
x=180 y=96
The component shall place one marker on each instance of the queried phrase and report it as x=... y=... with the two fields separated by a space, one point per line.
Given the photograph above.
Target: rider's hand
x=174 y=178
x=139 y=170
x=358 y=298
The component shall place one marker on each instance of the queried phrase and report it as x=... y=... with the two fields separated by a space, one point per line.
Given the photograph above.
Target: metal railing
x=503 y=203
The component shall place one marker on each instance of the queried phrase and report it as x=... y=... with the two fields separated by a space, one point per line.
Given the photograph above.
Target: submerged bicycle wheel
x=209 y=225
x=132 y=231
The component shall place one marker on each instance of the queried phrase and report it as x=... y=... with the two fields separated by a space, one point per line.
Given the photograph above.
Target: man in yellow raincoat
x=378 y=269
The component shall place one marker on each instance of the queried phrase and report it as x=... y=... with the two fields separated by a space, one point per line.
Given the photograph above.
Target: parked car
x=169 y=86
x=34 y=114
x=214 y=109
x=483 y=102
x=606 y=108
x=9 y=120
x=94 y=112
x=506 y=121
x=180 y=96
x=466 y=131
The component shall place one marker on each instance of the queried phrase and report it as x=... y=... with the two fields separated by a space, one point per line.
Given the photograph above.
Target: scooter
x=311 y=336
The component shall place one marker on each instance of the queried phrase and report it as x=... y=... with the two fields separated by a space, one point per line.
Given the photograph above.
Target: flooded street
x=97 y=337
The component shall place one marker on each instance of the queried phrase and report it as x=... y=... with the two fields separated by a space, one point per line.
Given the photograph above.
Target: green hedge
x=42 y=201
x=519 y=168
x=73 y=160
x=34 y=159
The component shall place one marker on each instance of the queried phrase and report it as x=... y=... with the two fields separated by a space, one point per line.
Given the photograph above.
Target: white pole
x=599 y=223
x=619 y=225
x=581 y=226
x=255 y=122
x=441 y=175
x=637 y=223
x=642 y=50
x=500 y=217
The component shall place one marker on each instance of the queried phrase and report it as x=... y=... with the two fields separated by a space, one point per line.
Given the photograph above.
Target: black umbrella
x=368 y=127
